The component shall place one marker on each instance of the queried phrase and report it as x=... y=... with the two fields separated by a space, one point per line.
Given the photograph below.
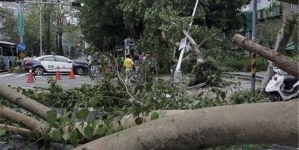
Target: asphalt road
x=20 y=80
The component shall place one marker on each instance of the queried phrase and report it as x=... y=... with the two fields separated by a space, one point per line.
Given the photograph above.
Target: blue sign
x=21 y=47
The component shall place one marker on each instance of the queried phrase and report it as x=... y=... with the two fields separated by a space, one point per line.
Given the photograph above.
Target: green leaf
x=51 y=116
x=154 y=115
x=138 y=120
x=66 y=136
x=88 y=131
x=95 y=122
x=101 y=130
x=82 y=113
x=2 y=132
x=47 y=128
x=55 y=135
x=93 y=102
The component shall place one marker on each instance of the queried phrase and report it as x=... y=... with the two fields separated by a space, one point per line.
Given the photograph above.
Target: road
x=20 y=80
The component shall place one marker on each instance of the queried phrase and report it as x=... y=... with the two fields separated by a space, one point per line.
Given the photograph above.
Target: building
x=263 y=12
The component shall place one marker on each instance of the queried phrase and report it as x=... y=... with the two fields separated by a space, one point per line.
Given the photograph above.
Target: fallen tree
x=259 y=123
x=283 y=36
x=285 y=63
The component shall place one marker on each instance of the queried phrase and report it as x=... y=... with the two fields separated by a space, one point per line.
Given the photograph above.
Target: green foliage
x=111 y=100
x=268 y=31
x=146 y=22
x=207 y=72
x=244 y=96
x=242 y=63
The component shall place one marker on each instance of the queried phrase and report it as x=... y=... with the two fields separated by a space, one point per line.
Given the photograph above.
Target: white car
x=51 y=63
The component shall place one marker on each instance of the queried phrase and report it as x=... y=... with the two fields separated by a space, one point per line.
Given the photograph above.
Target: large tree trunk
x=282 y=38
x=267 y=123
x=285 y=63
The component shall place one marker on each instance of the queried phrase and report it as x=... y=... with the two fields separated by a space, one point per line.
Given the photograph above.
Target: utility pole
x=40 y=30
x=253 y=61
x=178 y=73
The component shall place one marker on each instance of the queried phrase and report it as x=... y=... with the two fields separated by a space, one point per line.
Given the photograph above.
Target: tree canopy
x=106 y=23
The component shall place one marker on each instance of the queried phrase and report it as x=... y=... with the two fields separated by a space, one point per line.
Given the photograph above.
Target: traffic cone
x=57 y=76
x=30 y=78
x=72 y=74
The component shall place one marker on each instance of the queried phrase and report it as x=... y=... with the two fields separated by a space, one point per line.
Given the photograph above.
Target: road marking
x=5 y=75
x=21 y=75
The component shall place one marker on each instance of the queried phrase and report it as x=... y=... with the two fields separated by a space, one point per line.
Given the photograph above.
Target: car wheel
x=79 y=71
x=38 y=71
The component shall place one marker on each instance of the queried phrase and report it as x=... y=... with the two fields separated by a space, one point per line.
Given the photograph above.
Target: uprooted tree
x=266 y=123
x=182 y=129
x=285 y=63
x=283 y=36
x=179 y=129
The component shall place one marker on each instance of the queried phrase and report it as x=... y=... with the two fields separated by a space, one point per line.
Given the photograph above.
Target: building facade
x=263 y=12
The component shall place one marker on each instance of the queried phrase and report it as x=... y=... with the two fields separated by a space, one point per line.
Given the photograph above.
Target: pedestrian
x=128 y=63
x=140 y=57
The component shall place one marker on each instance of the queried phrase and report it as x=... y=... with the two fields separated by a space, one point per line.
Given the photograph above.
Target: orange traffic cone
x=57 y=76
x=72 y=75
x=30 y=78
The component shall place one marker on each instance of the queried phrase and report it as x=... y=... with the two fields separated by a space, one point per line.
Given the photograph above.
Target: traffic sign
x=21 y=47
x=22 y=55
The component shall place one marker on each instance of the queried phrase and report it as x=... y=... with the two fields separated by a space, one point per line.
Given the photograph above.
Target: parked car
x=51 y=63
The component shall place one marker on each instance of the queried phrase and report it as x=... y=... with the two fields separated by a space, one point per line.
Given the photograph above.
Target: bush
x=243 y=64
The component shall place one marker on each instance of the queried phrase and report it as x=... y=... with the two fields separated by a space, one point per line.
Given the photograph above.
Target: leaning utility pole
x=183 y=47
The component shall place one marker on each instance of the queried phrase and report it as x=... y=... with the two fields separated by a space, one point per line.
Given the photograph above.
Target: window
x=261 y=14
x=48 y=58
x=61 y=59
x=8 y=50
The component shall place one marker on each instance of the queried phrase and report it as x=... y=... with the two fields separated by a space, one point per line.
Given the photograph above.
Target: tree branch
x=285 y=63
x=24 y=102
x=17 y=117
x=20 y=131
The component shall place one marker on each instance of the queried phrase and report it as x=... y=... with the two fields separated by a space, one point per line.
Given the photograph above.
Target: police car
x=51 y=63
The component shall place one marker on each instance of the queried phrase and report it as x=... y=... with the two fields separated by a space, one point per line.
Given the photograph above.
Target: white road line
x=5 y=75
x=21 y=75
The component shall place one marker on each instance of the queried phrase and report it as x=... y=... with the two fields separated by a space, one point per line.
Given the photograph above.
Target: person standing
x=128 y=63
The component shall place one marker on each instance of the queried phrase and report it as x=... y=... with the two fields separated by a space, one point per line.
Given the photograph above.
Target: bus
x=8 y=54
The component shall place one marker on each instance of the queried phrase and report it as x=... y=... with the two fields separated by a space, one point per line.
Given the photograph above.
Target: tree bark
x=16 y=130
x=282 y=38
x=17 y=117
x=260 y=123
x=283 y=62
x=24 y=102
